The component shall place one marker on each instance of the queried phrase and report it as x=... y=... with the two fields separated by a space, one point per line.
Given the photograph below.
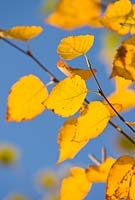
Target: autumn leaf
x=69 y=71
x=76 y=186
x=122 y=94
x=25 y=99
x=74 y=46
x=92 y=121
x=99 y=173
x=122 y=186
x=23 y=33
x=124 y=61
x=120 y=17
x=69 y=14
x=67 y=146
x=67 y=96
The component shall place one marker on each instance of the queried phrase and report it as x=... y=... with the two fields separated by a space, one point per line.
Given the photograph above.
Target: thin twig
x=93 y=159
x=103 y=95
x=104 y=156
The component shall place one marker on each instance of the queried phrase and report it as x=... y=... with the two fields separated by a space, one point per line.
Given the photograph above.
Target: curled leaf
x=25 y=99
x=74 y=46
x=69 y=71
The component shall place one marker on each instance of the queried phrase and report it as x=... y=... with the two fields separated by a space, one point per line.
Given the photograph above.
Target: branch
x=54 y=79
x=103 y=95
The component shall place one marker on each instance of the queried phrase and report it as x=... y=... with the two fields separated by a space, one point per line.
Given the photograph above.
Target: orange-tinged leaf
x=69 y=71
x=119 y=17
x=124 y=61
x=119 y=187
x=99 y=173
x=25 y=99
x=92 y=121
x=116 y=106
x=74 y=46
x=68 y=147
x=69 y=14
x=67 y=96
x=23 y=33
x=131 y=123
x=76 y=186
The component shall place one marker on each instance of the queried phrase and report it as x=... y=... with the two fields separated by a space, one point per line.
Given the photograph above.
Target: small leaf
x=74 y=46
x=67 y=96
x=116 y=106
x=69 y=71
x=119 y=187
x=68 y=147
x=99 y=173
x=76 y=186
x=23 y=33
x=25 y=99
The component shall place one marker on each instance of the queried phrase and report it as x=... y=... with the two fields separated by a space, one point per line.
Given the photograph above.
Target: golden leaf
x=99 y=173
x=25 y=99
x=122 y=95
x=120 y=17
x=23 y=33
x=124 y=61
x=121 y=187
x=67 y=96
x=92 y=121
x=69 y=71
x=116 y=106
x=74 y=46
x=72 y=14
x=68 y=147
x=76 y=186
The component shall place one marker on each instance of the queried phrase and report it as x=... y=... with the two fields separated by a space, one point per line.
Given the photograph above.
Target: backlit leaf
x=25 y=99
x=122 y=94
x=68 y=147
x=74 y=46
x=23 y=33
x=119 y=181
x=72 y=14
x=99 y=173
x=67 y=96
x=69 y=71
x=76 y=186
x=92 y=121
x=124 y=61
x=120 y=17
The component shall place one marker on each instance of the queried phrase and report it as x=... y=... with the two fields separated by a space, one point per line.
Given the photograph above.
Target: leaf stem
x=103 y=95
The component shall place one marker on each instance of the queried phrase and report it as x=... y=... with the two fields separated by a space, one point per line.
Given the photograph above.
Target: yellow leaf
x=69 y=71
x=68 y=147
x=25 y=99
x=124 y=61
x=99 y=173
x=119 y=181
x=72 y=14
x=76 y=186
x=131 y=123
x=120 y=17
x=92 y=121
x=67 y=96
x=74 y=46
x=122 y=95
x=23 y=33
x=116 y=106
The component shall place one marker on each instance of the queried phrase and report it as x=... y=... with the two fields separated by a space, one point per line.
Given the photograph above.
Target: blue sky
x=37 y=139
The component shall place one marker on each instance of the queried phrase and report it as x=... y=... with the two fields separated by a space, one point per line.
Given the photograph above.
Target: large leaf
x=25 y=99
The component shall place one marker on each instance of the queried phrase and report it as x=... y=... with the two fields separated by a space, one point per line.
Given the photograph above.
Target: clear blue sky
x=36 y=139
